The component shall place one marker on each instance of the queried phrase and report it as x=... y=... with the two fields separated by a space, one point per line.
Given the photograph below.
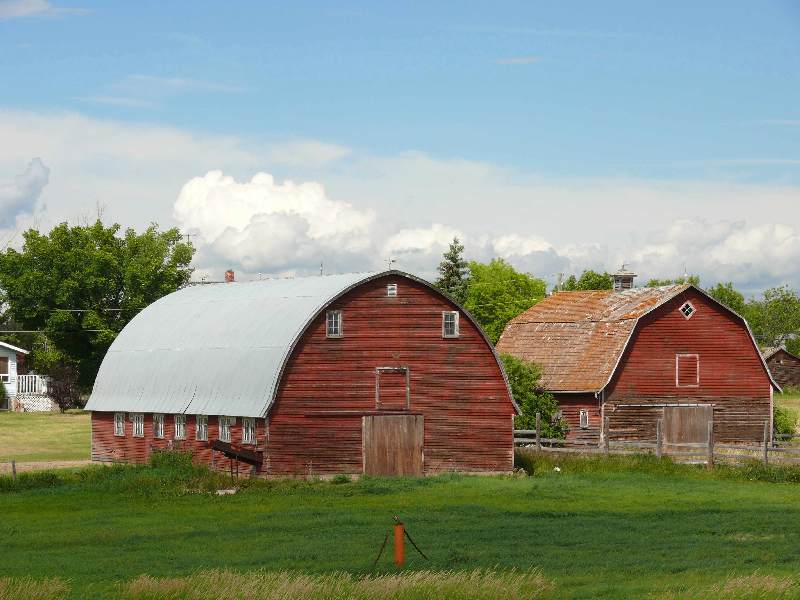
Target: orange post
x=399 y=545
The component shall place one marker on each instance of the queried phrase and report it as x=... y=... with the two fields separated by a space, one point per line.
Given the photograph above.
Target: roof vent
x=623 y=279
x=230 y=276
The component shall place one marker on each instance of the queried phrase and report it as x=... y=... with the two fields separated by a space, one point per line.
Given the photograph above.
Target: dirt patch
x=5 y=468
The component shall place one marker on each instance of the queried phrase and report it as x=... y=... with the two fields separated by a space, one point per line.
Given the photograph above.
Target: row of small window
x=200 y=431
x=334 y=328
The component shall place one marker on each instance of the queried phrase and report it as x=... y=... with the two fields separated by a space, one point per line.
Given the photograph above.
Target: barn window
x=584 y=419
x=225 y=424
x=138 y=424
x=201 y=427
x=391 y=290
x=687 y=370
x=158 y=426
x=248 y=430
x=450 y=324
x=4 y=372
x=687 y=310
x=334 y=324
x=119 y=424
x=180 y=427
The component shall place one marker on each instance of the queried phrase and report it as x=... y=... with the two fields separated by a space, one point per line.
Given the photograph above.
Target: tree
x=62 y=385
x=691 y=279
x=497 y=293
x=453 y=272
x=80 y=285
x=727 y=295
x=524 y=377
x=589 y=280
x=775 y=318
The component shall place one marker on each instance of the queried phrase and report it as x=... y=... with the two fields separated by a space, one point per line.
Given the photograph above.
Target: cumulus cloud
x=21 y=196
x=15 y=9
x=273 y=227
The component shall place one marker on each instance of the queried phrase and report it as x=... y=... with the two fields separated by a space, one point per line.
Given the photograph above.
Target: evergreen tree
x=453 y=272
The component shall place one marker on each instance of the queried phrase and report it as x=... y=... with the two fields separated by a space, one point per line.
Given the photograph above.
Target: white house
x=27 y=392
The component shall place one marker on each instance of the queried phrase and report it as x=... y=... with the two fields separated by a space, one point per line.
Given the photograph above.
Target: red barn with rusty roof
x=633 y=355
x=784 y=366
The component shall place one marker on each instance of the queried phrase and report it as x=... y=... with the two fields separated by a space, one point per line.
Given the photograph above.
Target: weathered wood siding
x=108 y=447
x=785 y=369
x=571 y=406
x=731 y=374
x=315 y=425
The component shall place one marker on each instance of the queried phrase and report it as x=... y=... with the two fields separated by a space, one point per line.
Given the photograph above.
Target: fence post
x=14 y=470
x=538 y=431
x=658 y=438
x=710 y=456
x=766 y=443
x=608 y=435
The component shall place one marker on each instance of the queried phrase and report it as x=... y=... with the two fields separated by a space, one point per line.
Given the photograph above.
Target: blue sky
x=679 y=96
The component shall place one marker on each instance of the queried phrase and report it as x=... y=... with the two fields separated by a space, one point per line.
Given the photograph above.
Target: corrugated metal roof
x=215 y=349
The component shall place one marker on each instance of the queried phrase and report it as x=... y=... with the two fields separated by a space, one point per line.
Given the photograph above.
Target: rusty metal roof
x=577 y=338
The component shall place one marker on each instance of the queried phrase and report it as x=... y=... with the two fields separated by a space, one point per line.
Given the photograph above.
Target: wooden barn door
x=393 y=445
x=687 y=424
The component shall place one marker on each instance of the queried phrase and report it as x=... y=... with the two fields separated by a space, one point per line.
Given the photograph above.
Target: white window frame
x=391 y=290
x=456 y=332
x=201 y=428
x=678 y=358
x=690 y=305
x=138 y=424
x=158 y=426
x=180 y=427
x=225 y=425
x=119 y=424
x=334 y=318
x=583 y=418
x=248 y=430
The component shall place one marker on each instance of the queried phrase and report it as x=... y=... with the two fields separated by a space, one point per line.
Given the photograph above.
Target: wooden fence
x=778 y=448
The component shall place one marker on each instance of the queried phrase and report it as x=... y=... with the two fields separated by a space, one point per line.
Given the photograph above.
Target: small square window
x=201 y=427
x=391 y=290
x=119 y=424
x=333 y=322
x=138 y=425
x=158 y=426
x=248 y=430
x=450 y=324
x=180 y=427
x=584 y=418
x=687 y=310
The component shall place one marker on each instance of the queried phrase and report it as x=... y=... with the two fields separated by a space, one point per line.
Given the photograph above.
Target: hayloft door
x=393 y=445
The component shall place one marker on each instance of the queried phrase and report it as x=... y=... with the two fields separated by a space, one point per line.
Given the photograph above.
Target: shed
x=359 y=373
x=637 y=355
x=784 y=366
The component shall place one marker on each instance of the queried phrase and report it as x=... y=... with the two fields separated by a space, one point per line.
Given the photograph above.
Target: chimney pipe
x=230 y=276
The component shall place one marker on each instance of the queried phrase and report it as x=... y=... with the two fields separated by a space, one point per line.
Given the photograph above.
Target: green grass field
x=44 y=436
x=601 y=528
x=790 y=399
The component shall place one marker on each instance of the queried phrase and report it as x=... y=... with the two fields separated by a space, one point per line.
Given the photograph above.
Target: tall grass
x=748 y=587
x=26 y=588
x=477 y=584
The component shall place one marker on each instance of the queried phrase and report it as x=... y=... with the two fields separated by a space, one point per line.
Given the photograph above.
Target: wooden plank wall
x=571 y=406
x=329 y=384
x=785 y=369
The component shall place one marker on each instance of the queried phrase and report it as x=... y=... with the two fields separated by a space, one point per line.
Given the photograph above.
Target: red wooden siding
x=571 y=406
x=731 y=374
x=315 y=425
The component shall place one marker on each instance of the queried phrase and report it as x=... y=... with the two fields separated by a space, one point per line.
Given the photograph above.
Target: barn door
x=393 y=445
x=687 y=424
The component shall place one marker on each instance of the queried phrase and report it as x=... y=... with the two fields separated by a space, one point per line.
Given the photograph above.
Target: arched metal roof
x=215 y=349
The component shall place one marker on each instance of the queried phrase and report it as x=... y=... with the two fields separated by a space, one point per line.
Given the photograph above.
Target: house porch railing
x=31 y=384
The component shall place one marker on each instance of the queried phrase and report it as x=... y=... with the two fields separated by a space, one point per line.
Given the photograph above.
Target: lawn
x=44 y=436
x=608 y=531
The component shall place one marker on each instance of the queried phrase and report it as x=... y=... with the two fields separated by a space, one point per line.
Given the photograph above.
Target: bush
x=785 y=420
x=523 y=377
x=171 y=459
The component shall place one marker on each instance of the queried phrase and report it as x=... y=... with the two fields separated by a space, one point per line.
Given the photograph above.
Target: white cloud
x=273 y=227
x=20 y=197
x=306 y=153
x=15 y=9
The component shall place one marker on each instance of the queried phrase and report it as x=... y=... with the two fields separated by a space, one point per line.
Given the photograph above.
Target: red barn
x=640 y=355
x=784 y=366
x=377 y=374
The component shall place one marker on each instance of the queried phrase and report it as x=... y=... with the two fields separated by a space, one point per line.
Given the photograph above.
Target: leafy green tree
x=727 y=295
x=589 y=280
x=691 y=279
x=497 y=293
x=524 y=378
x=82 y=284
x=454 y=272
x=775 y=318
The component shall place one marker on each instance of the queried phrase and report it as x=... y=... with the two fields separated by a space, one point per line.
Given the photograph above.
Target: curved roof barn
x=217 y=348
